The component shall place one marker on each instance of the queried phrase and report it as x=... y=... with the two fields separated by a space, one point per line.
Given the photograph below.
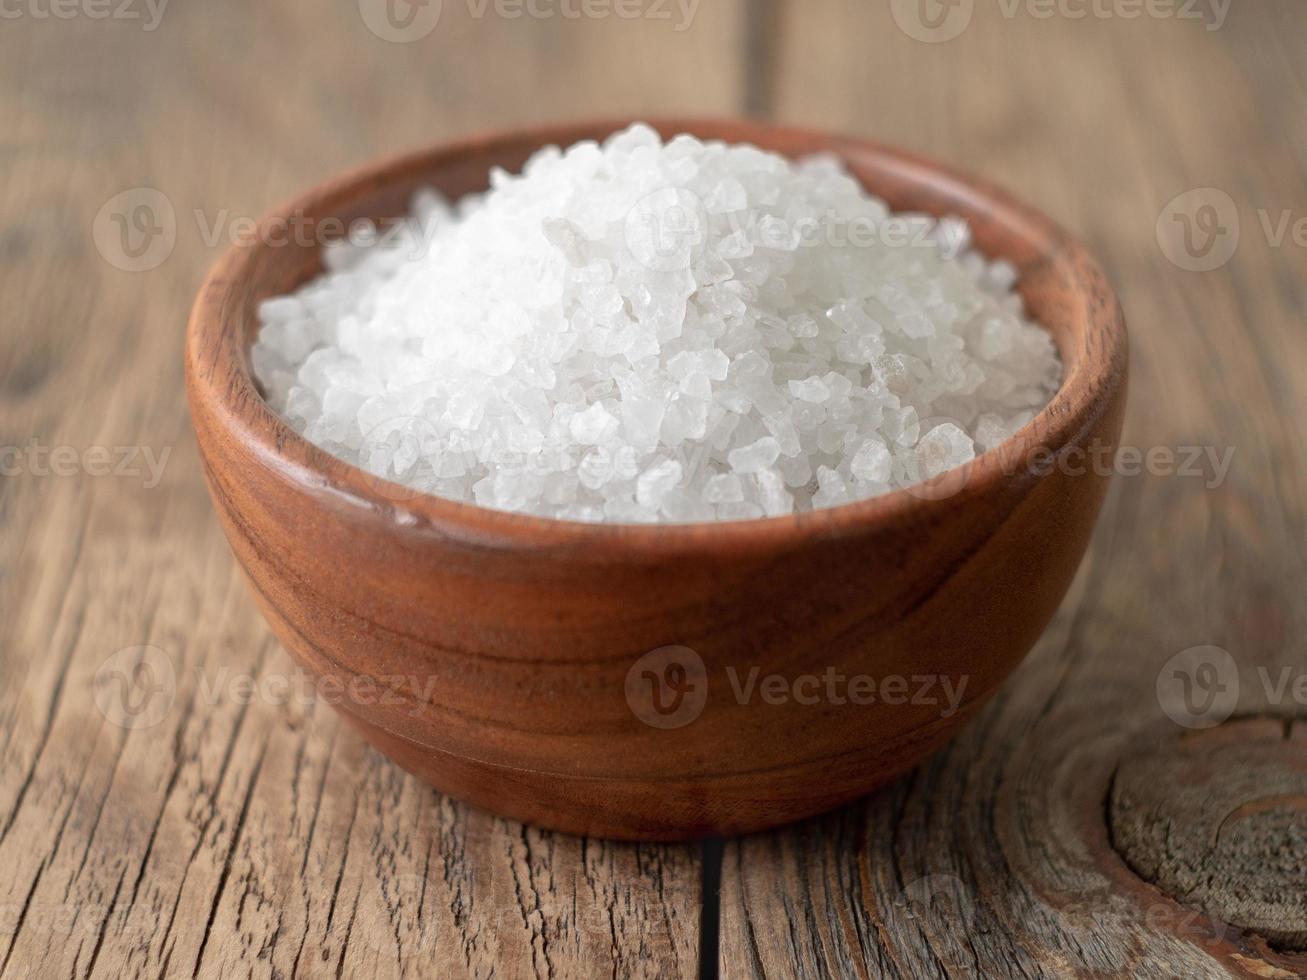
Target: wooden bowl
x=507 y=660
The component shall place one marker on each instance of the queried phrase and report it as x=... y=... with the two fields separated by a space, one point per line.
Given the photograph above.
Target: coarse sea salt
x=642 y=332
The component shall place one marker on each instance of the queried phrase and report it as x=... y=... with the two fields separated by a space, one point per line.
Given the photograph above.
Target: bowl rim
x=1089 y=379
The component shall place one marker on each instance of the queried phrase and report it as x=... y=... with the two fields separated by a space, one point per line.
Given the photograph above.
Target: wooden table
x=1075 y=828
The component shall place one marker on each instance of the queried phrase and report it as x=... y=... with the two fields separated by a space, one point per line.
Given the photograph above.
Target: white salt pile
x=639 y=331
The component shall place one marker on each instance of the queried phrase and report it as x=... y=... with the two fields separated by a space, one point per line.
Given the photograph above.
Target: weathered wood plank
x=233 y=838
x=996 y=858
x=250 y=834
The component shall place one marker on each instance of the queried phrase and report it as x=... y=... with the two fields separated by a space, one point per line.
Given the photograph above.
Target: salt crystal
x=656 y=482
x=787 y=436
x=641 y=332
x=596 y=469
x=916 y=325
x=902 y=426
x=727 y=195
x=755 y=457
x=772 y=495
x=943 y=448
x=738 y=511
x=724 y=488
x=680 y=507
x=802 y=325
x=831 y=488
x=810 y=390
x=872 y=462
x=593 y=426
x=990 y=431
x=712 y=364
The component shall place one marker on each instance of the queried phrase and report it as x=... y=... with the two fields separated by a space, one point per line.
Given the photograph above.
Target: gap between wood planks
x=758 y=61
x=711 y=852
x=758 y=56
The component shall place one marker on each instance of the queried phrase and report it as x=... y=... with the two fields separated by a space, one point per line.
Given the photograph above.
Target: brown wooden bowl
x=498 y=656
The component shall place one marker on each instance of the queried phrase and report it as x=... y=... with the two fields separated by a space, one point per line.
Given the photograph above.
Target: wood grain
x=1214 y=819
x=994 y=859
x=235 y=839
x=260 y=838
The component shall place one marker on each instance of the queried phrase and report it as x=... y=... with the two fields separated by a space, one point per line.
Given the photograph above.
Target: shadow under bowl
x=613 y=679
